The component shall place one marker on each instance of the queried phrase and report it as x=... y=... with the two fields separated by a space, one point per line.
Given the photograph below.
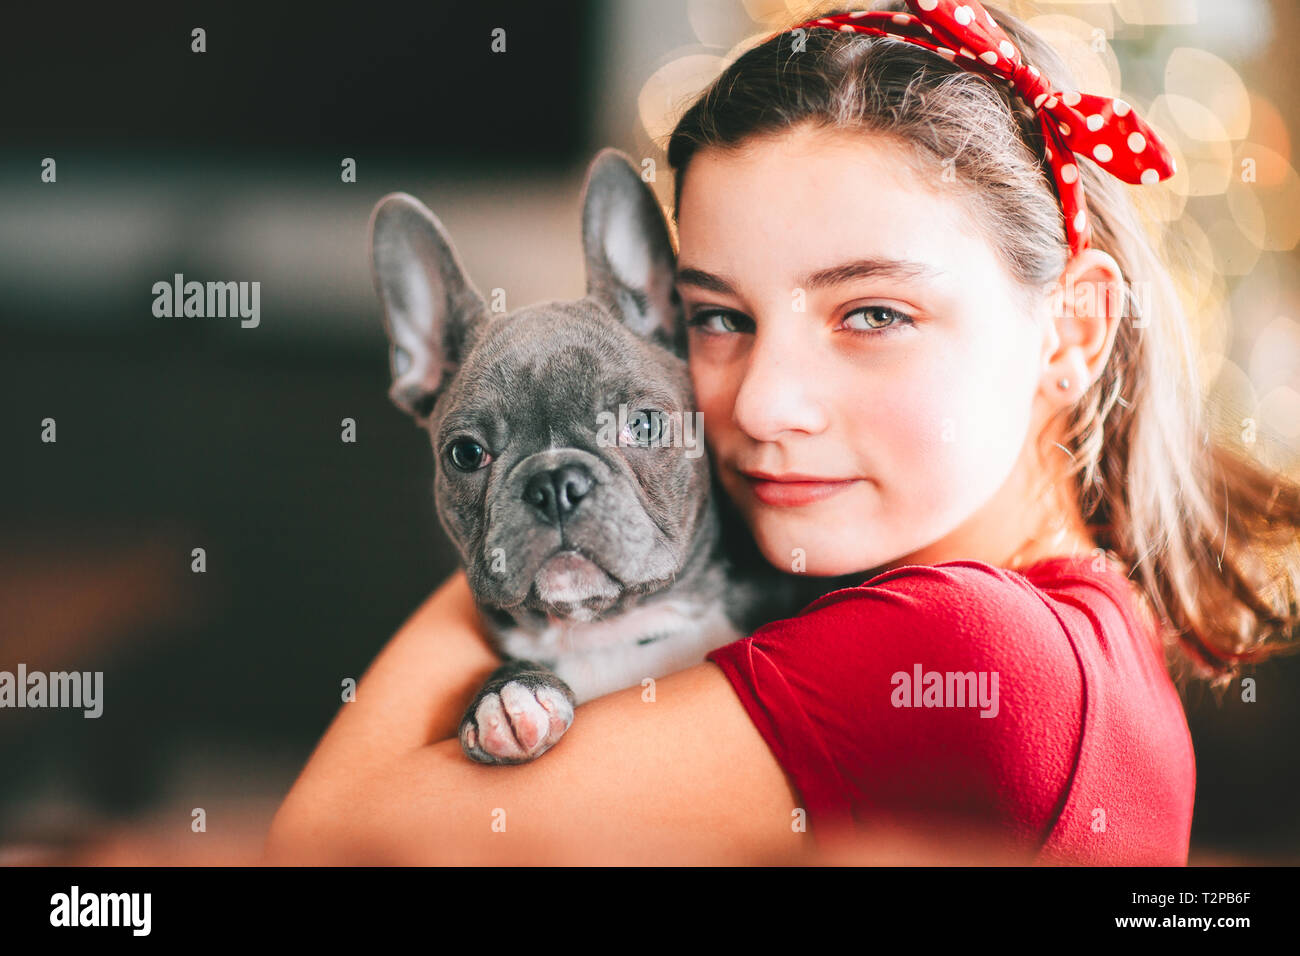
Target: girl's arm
x=685 y=778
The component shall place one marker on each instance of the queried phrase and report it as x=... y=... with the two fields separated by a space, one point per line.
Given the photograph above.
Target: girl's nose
x=779 y=386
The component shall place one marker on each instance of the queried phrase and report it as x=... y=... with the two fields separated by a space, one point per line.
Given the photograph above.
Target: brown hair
x=1212 y=537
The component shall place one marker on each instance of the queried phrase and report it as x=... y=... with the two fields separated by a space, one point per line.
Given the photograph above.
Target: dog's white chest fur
x=598 y=657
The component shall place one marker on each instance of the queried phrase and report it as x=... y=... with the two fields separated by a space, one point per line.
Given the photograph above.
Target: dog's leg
x=519 y=714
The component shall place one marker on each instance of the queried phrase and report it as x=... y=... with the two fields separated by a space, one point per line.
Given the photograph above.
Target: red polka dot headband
x=1103 y=129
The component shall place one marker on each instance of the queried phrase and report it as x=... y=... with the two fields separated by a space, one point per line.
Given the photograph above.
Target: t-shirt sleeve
x=938 y=693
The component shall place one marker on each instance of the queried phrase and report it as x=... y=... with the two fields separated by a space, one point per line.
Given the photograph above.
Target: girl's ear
x=1086 y=307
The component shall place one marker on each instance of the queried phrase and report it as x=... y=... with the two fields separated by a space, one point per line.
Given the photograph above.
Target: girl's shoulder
x=987 y=593
x=1021 y=690
x=1059 y=622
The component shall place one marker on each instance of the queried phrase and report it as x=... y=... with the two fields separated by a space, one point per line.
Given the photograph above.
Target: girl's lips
x=793 y=493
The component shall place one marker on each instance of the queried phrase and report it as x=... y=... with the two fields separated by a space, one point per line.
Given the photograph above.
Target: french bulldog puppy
x=590 y=538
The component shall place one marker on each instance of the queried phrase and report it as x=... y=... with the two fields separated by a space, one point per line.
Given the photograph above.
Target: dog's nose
x=556 y=493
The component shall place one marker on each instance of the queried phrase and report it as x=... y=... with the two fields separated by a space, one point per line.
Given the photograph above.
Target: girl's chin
x=789 y=549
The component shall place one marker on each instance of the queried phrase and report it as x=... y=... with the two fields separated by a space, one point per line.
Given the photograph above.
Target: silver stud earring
x=1062 y=383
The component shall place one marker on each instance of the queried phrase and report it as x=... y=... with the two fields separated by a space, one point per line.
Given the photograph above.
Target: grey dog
x=568 y=475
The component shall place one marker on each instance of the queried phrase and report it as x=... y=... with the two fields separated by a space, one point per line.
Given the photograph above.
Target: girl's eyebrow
x=868 y=268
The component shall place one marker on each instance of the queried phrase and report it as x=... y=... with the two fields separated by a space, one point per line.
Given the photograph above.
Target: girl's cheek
x=713 y=387
x=714 y=404
x=911 y=424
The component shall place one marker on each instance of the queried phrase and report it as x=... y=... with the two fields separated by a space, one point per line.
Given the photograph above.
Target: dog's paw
x=516 y=723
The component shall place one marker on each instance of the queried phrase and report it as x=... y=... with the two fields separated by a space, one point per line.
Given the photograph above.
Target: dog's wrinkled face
x=551 y=499
x=571 y=471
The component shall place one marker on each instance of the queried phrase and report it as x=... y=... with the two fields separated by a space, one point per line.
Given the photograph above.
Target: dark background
x=336 y=75
x=183 y=433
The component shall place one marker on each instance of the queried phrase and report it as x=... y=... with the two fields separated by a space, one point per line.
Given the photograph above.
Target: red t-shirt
x=1033 y=705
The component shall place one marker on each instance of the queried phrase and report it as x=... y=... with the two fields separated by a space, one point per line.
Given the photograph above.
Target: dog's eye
x=644 y=427
x=465 y=454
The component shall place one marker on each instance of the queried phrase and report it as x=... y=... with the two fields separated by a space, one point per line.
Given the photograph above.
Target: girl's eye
x=727 y=321
x=868 y=319
x=876 y=318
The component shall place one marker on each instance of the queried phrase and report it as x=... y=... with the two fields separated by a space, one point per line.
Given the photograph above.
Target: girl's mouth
x=789 y=494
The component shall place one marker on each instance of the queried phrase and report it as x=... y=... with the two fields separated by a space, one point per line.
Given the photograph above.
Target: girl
x=918 y=362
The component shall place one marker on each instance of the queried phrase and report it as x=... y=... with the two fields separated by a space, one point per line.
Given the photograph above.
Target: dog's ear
x=630 y=259
x=431 y=309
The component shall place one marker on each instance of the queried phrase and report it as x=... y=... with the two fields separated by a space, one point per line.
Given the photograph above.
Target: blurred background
x=180 y=433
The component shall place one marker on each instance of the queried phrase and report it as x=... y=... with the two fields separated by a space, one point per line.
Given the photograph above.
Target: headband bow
x=1106 y=130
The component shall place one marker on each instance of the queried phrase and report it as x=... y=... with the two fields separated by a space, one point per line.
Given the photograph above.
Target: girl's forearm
x=416 y=690
x=413 y=694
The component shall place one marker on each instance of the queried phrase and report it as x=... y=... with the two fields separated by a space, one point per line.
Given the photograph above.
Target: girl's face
x=848 y=327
